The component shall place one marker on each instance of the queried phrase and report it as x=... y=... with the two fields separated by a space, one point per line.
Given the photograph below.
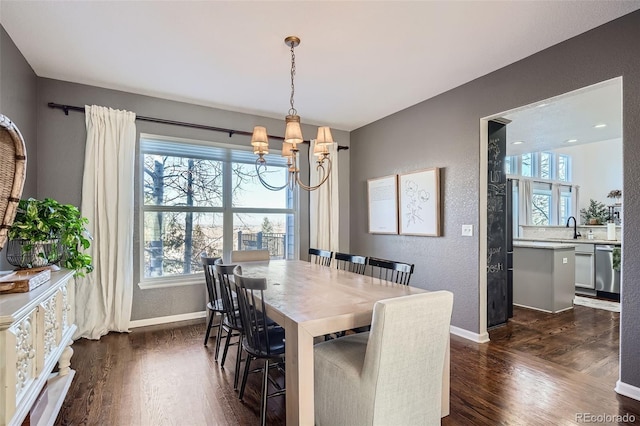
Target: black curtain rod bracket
x=231 y=132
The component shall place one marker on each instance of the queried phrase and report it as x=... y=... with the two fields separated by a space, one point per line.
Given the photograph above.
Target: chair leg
x=265 y=383
x=226 y=348
x=219 y=337
x=245 y=375
x=209 y=325
x=236 y=376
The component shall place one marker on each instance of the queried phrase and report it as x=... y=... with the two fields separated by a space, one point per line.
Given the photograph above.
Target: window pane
x=181 y=181
x=508 y=165
x=527 y=164
x=545 y=165
x=563 y=168
x=249 y=192
x=256 y=231
x=173 y=242
x=565 y=207
x=541 y=207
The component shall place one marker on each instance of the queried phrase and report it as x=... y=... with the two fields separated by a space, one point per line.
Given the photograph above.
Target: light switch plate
x=565 y=260
x=467 y=230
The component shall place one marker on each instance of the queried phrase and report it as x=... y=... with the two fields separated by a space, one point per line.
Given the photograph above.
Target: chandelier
x=293 y=137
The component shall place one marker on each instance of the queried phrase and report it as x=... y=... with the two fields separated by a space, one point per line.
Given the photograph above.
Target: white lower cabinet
x=585 y=262
x=36 y=330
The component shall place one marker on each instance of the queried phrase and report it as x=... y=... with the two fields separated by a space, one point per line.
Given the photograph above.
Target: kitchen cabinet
x=36 y=330
x=585 y=265
x=544 y=275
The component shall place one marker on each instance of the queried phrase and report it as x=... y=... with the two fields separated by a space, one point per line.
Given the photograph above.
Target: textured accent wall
x=444 y=131
x=18 y=85
x=61 y=153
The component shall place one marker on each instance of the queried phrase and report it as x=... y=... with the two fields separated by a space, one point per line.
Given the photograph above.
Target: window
x=564 y=168
x=544 y=169
x=541 y=204
x=526 y=165
x=205 y=198
x=546 y=165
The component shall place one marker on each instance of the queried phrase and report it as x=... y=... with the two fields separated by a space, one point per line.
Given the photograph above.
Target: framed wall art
x=382 y=196
x=419 y=202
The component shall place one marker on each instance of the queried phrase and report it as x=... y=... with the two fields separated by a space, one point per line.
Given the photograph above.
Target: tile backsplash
x=562 y=232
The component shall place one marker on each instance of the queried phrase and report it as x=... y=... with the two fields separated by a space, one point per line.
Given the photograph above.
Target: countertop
x=554 y=245
x=570 y=241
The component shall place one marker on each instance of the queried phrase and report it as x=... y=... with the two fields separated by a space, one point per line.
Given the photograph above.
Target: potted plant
x=615 y=193
x=46 y=232
x=595 y=214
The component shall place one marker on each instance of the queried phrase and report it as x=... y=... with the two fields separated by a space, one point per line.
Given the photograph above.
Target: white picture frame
x=419 y=202
x=382 y=197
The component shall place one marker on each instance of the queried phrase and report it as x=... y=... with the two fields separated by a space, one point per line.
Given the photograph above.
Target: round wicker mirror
x=13 y=169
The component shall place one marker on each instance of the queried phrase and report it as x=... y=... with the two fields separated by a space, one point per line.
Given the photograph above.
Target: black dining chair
x=389 y=270
x=259 y=341
x=350 y=262
x=320 y=257
x=215 y=306
x=232 y=320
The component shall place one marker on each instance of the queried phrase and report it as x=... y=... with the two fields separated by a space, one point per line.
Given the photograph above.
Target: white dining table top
x=310 y=294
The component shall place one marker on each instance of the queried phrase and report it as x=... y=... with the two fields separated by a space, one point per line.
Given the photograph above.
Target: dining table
x=310 y=301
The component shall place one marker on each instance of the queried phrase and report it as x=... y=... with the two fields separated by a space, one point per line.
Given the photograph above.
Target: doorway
x=590 y=118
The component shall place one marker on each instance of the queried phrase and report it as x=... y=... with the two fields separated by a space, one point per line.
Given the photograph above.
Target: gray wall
x=61 y=152
x=18 y=85
x=444 y=132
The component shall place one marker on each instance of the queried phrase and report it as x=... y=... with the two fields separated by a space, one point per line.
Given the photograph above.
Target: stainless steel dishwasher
x=607 y=278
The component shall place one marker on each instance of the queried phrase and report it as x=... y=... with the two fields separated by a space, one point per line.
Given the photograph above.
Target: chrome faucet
x=576 y=234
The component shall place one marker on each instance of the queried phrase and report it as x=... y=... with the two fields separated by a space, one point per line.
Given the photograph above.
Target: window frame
x=227 y=210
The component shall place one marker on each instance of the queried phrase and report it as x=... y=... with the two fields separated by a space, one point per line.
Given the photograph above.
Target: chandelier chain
x=292 y=111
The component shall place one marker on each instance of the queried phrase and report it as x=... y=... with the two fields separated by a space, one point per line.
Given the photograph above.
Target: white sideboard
x=36 y=330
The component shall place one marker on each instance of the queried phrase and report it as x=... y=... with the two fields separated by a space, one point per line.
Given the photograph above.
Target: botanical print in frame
x=382 y=197
x=419 y=195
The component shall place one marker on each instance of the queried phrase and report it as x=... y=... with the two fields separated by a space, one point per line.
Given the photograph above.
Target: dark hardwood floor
x=541 y=369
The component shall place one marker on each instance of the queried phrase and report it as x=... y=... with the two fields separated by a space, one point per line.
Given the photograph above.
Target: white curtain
x=575 y=202
x=324 y=208
x=524 y=202
x=556 y=190
x=103 y=297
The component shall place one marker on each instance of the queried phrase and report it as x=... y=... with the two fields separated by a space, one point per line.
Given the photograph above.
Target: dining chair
x=215 y=306
x=320 y=257
x=390 y=270
x=249 y=255
x=232 y=321
x=350 y=262
x=391 y=375
x=259 y=341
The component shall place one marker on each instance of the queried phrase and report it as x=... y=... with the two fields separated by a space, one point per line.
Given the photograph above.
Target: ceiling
x=358 y=61
x=591 y=114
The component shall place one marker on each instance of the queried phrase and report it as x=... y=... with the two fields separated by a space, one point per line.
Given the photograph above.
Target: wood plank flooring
x=539 y=370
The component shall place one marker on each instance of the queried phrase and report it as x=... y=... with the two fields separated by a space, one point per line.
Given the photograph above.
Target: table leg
x=299 y=375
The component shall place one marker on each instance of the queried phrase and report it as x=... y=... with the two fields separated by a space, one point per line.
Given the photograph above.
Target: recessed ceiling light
x=541 y=105
x=599 y=126
x=571 y=140
x=518 y=143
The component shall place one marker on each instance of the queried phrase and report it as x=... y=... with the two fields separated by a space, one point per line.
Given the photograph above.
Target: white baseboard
x=469 y=335
x=628 y=390
x=167 y=319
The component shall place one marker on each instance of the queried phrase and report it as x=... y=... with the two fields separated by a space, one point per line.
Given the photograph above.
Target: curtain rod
x=230 y=132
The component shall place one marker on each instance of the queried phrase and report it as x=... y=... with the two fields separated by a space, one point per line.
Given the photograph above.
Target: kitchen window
x=551 y=196
x=544 y=165
x=199 y=197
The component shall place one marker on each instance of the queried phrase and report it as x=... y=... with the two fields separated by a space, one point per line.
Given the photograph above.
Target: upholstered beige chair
x=249 y=255
x=391 y=375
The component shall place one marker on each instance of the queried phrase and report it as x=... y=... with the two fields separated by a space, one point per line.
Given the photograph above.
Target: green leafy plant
x=45 y=220
x=596 y=211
